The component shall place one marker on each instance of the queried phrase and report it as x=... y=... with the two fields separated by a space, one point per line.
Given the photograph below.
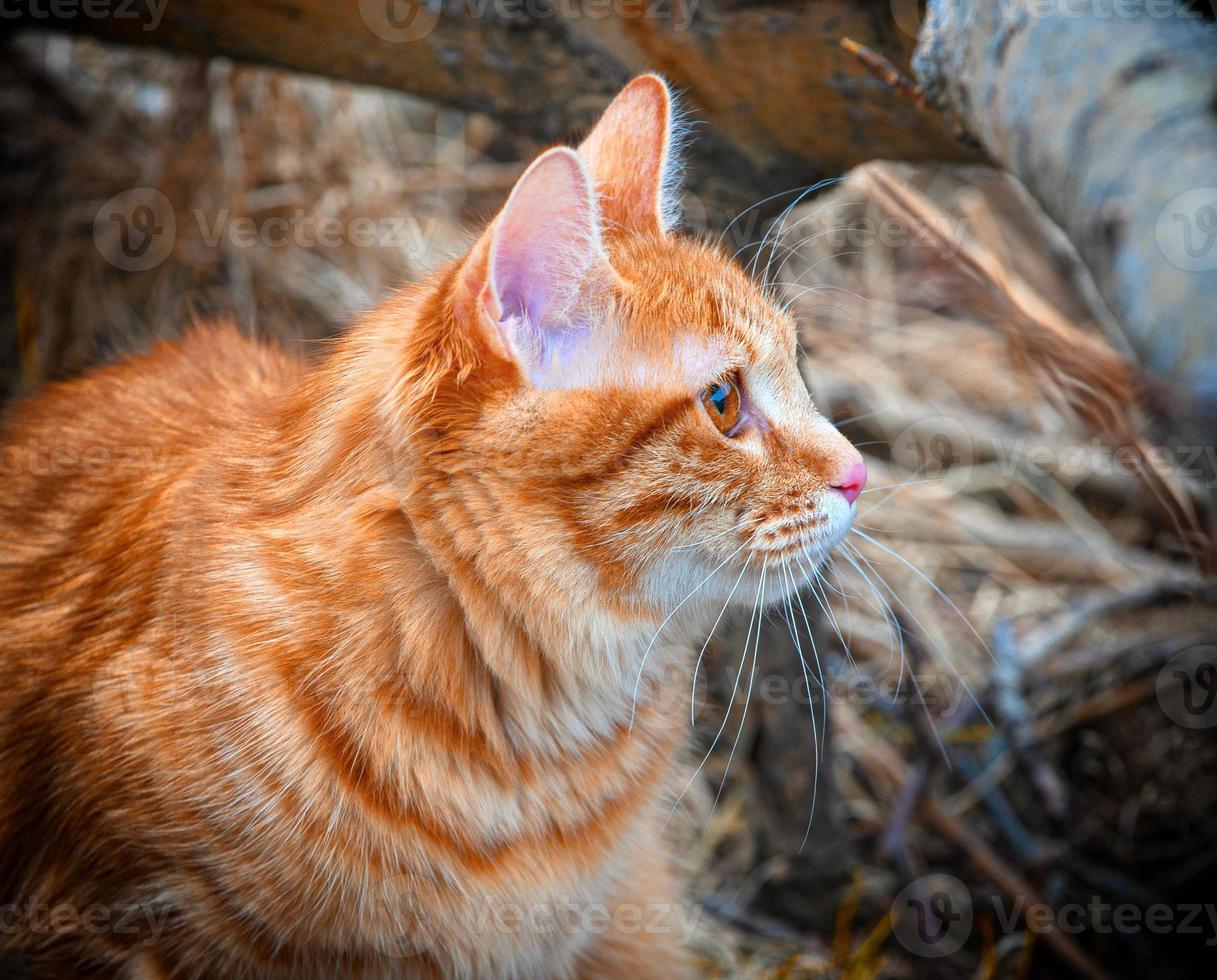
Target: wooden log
x=784 y=104
x=1107 y=112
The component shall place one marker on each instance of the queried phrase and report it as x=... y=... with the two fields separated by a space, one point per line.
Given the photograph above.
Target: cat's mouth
x=805 y=538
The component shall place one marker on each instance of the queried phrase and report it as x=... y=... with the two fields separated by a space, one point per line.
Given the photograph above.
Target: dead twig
x=885 y=71
x=884 y=761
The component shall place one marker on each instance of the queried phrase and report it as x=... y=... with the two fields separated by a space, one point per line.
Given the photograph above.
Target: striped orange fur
x=349 y=669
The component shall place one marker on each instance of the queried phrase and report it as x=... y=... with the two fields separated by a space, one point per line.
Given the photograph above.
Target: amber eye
x=722 y=402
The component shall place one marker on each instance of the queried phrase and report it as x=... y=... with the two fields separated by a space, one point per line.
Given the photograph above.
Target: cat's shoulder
x=211 y=365
x=219 y=357
x=177 y=395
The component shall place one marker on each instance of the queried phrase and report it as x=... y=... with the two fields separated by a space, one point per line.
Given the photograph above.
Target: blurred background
x=985 y=744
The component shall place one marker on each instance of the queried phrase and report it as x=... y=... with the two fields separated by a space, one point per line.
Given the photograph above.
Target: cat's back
x=91 y=467
x=176 y=394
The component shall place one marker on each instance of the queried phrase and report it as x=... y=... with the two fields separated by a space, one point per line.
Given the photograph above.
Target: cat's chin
x=772 y=580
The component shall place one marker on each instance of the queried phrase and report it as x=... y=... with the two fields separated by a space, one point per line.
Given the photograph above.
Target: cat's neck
x=429 y=575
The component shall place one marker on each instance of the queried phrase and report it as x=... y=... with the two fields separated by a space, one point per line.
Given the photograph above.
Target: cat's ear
x=534 y=278
x=633 y=156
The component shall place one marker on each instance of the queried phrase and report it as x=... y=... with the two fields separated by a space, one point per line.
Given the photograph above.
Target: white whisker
x=668 y=619
x=726 y=716
x=817 y=753
x=921 y=626
x=925 y=578
x=756 y=650
x=702 y=652
x=893 y=625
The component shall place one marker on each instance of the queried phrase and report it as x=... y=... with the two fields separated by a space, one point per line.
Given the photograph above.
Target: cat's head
x=615 y=408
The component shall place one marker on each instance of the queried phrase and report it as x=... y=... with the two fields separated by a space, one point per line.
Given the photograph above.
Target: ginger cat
x=350 y=670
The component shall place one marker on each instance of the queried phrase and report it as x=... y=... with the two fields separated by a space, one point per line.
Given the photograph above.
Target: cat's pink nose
x=851 y=482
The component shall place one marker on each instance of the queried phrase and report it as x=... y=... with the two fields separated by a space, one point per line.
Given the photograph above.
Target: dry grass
x=958 y=344
x=1035 y=544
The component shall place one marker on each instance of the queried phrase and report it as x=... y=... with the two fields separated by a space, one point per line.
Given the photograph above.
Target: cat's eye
x=721 y=399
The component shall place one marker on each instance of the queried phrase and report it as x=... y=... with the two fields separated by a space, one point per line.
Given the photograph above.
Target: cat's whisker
x=894 y=632
x=756 y=649
x=829 y=585
x=701 y=653
x=825 y=586
x=858 y=418
x=822 y=681
x=668 y=619
x=780 y=231
x=726 y=716
x=928 y=581
x=895 y=624
x=821 y=307
x=890 y=487
x=944 y=656
x=788 y=251
x=828 y=258
x=801 y=190
x=931 y=724
x=797 y=296
x=817 y=752
x=786 y=211
x=822 y=287
x=799 y=245
x=894 y=489
x=810 y=574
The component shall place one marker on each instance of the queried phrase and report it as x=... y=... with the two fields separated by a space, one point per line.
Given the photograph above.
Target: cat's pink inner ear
x=546 y=260
x=632 y=158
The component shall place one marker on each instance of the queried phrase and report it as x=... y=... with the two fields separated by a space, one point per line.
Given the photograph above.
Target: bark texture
x=1107 y=112
x=784 y=104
